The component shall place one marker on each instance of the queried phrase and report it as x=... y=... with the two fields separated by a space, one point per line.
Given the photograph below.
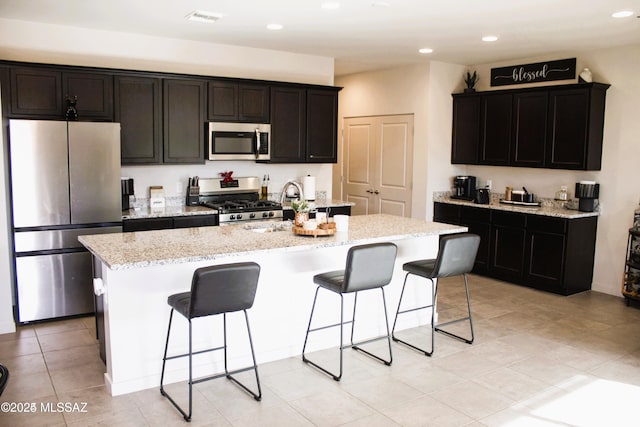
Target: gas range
x=238 y=200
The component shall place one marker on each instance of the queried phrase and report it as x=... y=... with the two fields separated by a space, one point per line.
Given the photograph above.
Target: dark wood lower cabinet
x=547 y=253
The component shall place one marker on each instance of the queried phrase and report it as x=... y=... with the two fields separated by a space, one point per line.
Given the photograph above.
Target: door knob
x=376 y=192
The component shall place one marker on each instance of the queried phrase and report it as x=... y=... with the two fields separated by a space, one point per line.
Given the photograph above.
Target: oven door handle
x=257 y=143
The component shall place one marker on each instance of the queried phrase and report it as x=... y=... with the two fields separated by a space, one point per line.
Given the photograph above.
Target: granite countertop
x=146 y=212
x=548 y=207
x=148 y=248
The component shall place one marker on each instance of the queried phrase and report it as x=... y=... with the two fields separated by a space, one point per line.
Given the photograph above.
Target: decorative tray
x=513 y=202
x=315 y=233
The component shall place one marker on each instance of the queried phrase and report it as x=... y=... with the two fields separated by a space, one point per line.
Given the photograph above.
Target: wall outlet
x=489 y=184
x=179 y=188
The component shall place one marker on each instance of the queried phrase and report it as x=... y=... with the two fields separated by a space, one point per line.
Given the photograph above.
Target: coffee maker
x=464 y=187
x=126 y=185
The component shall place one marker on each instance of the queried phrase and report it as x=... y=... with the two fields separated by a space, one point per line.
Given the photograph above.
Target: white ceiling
x=358 y=35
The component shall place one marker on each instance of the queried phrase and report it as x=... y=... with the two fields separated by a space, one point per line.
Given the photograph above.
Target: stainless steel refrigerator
x=65 y=182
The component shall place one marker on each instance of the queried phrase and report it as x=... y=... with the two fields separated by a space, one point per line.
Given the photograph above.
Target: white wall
x=425 y=91
x=620 y=173
x=52 y=44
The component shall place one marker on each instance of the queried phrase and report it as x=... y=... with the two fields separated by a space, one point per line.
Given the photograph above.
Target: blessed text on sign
x=563 y=69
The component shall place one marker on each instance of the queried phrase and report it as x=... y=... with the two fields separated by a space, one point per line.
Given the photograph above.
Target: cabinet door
x=288 y=119
x=36 y=92
x=253 y=103
x=138 y=109
x=184 y=119
x=568 y=120
x=507 y=245
x=495 y=141
x=223 y=101
x=94 y=93
x=478 y=221
x=466 y=130
x=529 y=129
x=544 y=268
x=322 y=126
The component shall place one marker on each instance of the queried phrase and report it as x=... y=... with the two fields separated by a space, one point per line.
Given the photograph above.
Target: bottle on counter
x=562 y=194
x=264 y=189
x=508 y=193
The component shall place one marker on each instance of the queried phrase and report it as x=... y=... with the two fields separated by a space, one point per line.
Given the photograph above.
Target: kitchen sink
x=269 y=227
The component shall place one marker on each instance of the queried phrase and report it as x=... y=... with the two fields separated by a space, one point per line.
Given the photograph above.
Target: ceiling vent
x=203 y=16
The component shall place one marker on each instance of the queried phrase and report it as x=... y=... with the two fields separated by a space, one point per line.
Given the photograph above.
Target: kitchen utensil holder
x=193 y=196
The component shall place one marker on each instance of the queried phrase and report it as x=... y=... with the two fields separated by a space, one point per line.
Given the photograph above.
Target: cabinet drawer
x=195 y=221
x=509 y=219
x=468 y=214
x=546 y=224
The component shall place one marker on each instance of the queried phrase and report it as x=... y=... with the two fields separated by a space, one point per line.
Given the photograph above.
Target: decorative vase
x=300 y=218
x=585 y=76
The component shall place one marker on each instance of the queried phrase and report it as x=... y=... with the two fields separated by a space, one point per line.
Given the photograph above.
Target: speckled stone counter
x=548 y=208
x=146 y=212
x=136 y=273
x=143 y=249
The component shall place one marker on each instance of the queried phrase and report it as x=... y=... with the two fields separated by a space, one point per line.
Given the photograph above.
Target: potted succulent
x=301 y=209
x=470 y=80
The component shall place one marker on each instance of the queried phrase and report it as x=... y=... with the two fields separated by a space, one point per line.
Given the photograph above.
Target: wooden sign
x=563 y=69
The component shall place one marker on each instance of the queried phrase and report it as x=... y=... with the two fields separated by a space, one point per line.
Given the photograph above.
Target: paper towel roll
x=309 y=187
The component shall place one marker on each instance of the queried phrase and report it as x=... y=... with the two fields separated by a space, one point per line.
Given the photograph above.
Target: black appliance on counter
x=238 y=200
x=587 y=192
x=126 y=187
x=483 y=196
x=464 y=187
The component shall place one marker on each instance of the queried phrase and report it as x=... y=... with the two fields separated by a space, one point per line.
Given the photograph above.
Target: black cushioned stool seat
x=456 y=256
x=218 y=289
x=367 y=267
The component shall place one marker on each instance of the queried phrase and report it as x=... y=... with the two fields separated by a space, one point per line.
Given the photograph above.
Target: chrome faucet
x=287 y=185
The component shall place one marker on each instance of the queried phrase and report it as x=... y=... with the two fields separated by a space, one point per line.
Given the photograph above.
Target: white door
x=378 y=156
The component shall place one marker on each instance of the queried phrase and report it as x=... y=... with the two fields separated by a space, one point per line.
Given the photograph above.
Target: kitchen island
x=138 y=271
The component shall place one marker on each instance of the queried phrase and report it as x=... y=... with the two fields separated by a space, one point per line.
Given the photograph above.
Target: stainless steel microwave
x=239 y=141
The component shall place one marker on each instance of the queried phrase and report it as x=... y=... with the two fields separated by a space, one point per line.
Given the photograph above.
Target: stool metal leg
x=256 y=396
x=388 y=336
x=469 y=318
x=432 y=306
x=341 y=325
x=163 y=392
x=304 y=347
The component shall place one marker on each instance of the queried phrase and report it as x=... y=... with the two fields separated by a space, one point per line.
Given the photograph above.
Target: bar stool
x=367 y=267
x=219 y=289
x=456 y=256
x=4 y=378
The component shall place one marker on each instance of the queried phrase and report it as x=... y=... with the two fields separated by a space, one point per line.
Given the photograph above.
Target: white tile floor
x=538 y=360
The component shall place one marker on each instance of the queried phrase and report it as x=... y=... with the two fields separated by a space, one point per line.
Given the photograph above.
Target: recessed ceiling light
x=203 y=16
x=489 y=38
x=274 y=27
x=425 y=50
x=622 y=14
x=330 y=5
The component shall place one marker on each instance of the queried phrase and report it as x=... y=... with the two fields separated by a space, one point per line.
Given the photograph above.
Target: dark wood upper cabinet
x=288 y=124
x=138 y=109
x=529 y=129
x=42 y=93
x=495 y=125
x=184 y=120
x=36 y=92
x=238 y=102
x=94 y=93
x=557 y=127
x=576 y=121
x=322 y=126
x=466 y=129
